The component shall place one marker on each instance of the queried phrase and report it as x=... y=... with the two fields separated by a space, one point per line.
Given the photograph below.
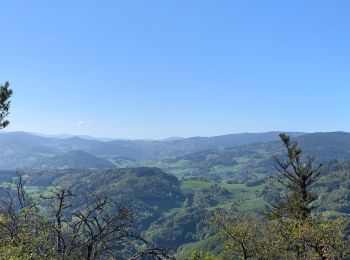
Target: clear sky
x=153 y=69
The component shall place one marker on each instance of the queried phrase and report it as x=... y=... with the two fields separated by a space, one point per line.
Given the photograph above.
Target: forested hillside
x=73 y=159
x=174 y=213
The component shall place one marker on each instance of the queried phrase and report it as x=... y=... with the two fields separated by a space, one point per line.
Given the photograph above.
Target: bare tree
x=101 y=227
x=95 y=229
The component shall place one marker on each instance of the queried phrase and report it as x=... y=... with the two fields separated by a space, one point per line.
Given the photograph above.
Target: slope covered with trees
x=73 y=159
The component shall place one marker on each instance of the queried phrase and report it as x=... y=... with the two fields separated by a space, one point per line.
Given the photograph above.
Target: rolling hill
x=20 y=149
x=74 y=159
x=198 y=156
x=252 y=161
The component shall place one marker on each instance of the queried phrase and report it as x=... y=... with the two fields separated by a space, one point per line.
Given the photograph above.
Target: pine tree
x=300 y=233
x=297 y=174
x=5 y=94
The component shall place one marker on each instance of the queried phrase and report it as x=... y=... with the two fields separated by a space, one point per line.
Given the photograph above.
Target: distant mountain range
x=21 y=149
x=65 y=136
x=246 y=162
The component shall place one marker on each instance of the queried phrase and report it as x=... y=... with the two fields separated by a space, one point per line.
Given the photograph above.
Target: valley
x=172 y=193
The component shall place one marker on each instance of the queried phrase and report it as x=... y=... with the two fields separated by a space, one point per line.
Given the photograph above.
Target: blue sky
x=153 y=69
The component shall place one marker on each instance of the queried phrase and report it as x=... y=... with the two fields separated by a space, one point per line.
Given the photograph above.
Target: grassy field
x=241 y=196
x=196 y=185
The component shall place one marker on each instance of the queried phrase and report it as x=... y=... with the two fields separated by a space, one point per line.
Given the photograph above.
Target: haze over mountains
x=21 y=149
x=74 y=159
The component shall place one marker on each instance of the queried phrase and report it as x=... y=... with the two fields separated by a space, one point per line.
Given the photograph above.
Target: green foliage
x=25 y=234
x=244 y=235
x=211 y=196
x=179 y=227
x=213 y=244
x=204 y=256
x=249 y=237
x=5 y=94
x=333 y=188
x=314 y=238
